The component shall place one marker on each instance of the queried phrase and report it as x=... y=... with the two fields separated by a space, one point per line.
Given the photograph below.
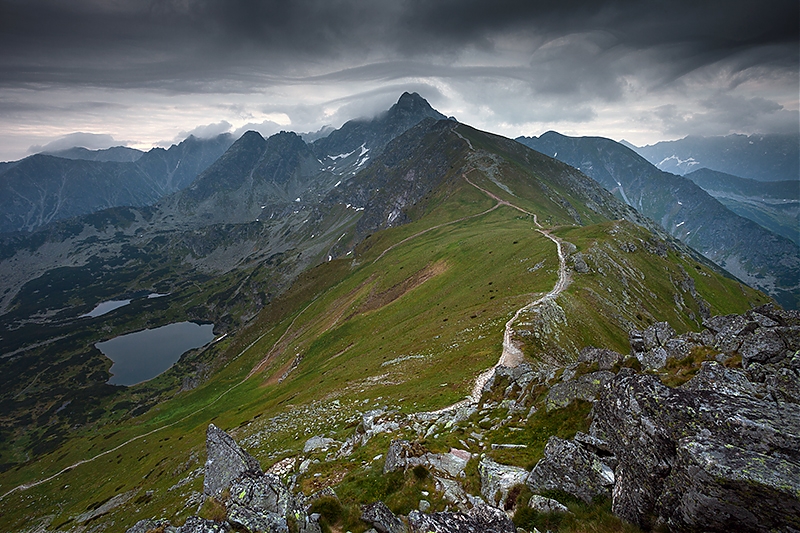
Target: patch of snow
x=681 y=224
x=297 y=199
x=338 y=183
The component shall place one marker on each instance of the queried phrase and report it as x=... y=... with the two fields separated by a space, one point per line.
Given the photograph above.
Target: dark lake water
x=145 y=354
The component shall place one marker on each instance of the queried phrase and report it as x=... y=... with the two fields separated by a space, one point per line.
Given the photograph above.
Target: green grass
x=410 y=330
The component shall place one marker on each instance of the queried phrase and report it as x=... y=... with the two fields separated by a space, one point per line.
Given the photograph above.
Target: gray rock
x=657 y=335
x=254 y=521
x=498 y=479
x=108 y=506
x=760 y=492
x=764 y=346
x=713 y=376
x=143 y=526
x=195 y=524
x=546 y=505
x=403 y=454
x=424 y=506
x=651 y=429
x=580 y=263
x=453 y=492
x=585 y=387
x=729 y=331
x=762 y=320
x=263 y=493
x=570 y=467
x=606 y=359
x=680 y=347
x=226 y=461
x=307 y=524
x=648 y=346
x=381 y=518
x=479 y=519
x=318 y=444
x=398 y=454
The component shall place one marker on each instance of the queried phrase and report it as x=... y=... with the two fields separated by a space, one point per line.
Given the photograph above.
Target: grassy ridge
x=411 y=329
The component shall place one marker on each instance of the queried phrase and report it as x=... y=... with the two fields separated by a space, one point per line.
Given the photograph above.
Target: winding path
x=512 y=356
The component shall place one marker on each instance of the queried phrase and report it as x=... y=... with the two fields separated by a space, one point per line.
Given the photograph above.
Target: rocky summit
x=704 y=437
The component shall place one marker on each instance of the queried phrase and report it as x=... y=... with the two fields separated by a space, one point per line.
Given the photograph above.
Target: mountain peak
x=413 y=103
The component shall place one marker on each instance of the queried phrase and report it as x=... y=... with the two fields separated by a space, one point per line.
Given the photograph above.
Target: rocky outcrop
x=226 y=461
x=263 y=493
x=698 y=457
x=318 y=444
x=605 y=359
x=479 y=519
x=648 y=346
x=497 y=480
x=403 y=454
x=382 y=518
x=196 y=524
x=585 y=387
x=546 y=505
x=571 y=467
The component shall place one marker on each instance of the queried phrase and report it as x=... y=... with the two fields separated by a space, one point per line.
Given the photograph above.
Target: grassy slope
x=442 y=297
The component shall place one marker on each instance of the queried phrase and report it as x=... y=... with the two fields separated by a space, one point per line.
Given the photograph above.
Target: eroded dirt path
x=511 y=355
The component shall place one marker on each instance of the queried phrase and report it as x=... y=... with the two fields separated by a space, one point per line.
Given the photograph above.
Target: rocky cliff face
x=705 y=439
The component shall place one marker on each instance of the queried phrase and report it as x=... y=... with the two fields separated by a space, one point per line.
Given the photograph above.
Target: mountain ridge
x=683 y=209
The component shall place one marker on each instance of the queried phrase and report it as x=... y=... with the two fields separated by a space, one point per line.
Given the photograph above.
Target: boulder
x=657 y=335
x=382 y=518
x=712 y=376
x=585 y=387
x=318 y=444
x=498 y=479
x=479 y=519
x=195 y=524
x=226 y=461
x=403 y=454
x=571 y=467
x=605 y=359
x=764 y=346
x=682 y=453
x=695 y=499
x=649 y=346
x=263 y=493
x=254 y=521
x=399 y=453
x=546 y=505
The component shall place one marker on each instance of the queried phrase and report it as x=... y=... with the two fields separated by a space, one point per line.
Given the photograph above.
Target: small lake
x=106 y=307
x=145 y=354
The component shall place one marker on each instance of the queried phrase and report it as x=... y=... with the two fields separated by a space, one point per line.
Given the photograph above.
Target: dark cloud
x=499 y=63
x=175 y=43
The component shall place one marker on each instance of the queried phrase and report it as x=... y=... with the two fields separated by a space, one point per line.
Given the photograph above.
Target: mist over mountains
x=769 y=157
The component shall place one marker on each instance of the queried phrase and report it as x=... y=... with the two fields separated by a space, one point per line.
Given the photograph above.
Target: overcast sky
x=144 y=73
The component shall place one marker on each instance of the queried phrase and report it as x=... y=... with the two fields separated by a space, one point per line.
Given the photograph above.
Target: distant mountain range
x=41 y=189
x=119 y=154
x=755 y=255
x=772 y=204
x=774 y=157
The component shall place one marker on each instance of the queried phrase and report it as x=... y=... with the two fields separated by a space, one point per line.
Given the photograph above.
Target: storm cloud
x=506 y=65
